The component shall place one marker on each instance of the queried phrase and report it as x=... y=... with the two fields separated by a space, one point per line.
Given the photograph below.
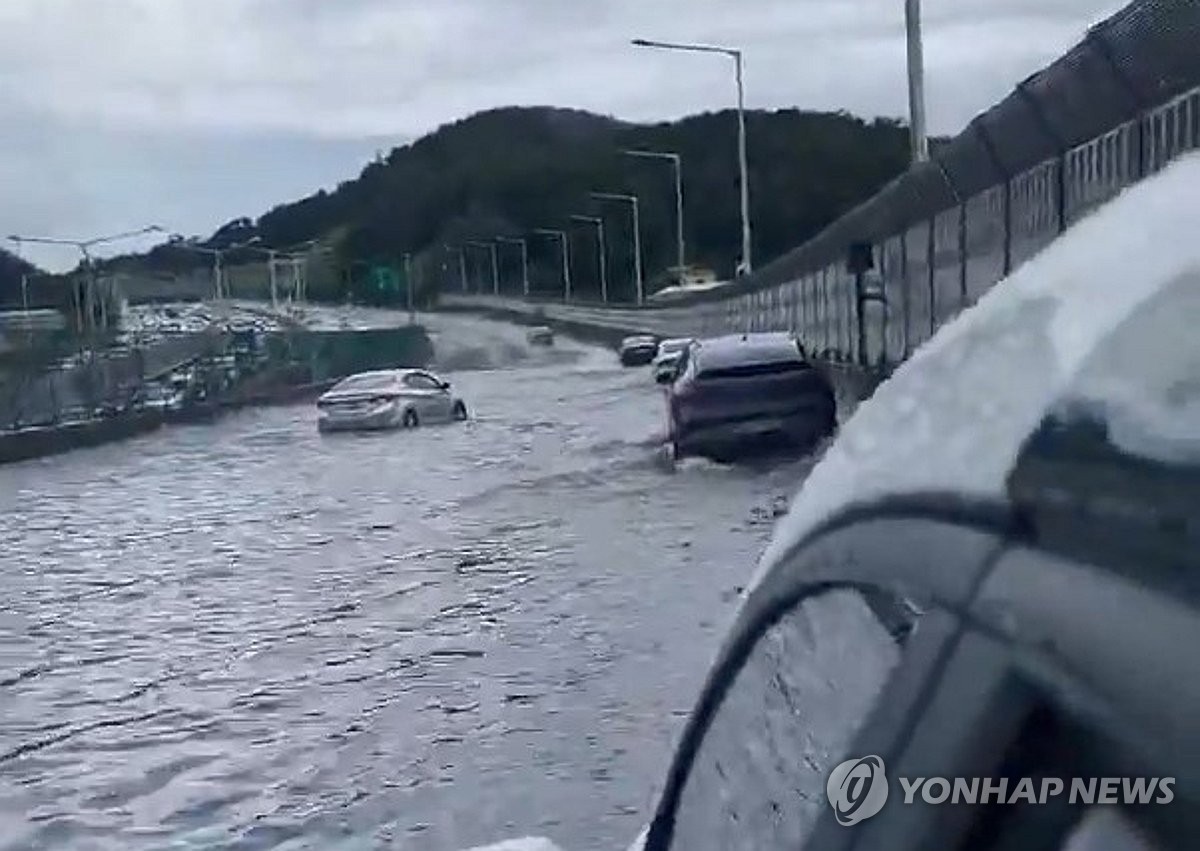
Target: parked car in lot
x=390 y=398
x=744 y=392
x=666 y=362
x=540 y=335
x=638 y=350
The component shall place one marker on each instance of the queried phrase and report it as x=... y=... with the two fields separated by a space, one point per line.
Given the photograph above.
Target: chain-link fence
x=1116 y=108
x=1113 y=110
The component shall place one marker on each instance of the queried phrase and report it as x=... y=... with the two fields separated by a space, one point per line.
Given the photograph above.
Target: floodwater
x=247 y=635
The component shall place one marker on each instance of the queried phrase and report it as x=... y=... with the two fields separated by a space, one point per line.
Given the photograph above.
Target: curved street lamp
x=598 y=223
x=637 y=235
x=566 y=257
x=743 y=167
x=508 y=240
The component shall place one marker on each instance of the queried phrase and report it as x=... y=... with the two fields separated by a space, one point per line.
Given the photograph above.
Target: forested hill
x=508 y=171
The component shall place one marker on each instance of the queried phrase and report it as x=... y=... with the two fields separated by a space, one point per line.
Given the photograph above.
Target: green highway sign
x=385 y=279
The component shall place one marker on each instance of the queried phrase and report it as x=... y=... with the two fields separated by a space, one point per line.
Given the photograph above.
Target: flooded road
x=248 y=635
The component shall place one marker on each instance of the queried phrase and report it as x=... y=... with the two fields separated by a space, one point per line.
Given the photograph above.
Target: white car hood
x=954 y=416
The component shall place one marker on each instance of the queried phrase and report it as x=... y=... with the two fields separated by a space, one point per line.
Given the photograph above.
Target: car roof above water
x=744 y=349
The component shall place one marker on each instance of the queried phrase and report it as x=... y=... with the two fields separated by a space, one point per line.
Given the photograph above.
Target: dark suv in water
x=747 y=392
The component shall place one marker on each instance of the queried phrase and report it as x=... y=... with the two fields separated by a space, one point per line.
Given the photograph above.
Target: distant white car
x=540 y=336
x=391 y=398
x=667 y=359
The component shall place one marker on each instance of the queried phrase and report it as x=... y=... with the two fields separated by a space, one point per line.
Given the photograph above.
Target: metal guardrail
x=1113 y=110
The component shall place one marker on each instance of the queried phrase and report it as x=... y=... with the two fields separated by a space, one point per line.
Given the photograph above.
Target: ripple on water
x=246 y=636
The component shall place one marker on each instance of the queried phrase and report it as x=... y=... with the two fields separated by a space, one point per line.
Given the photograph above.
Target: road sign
x=385 y=279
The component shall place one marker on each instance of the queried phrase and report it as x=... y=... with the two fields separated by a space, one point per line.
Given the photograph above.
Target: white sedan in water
x=390 y=398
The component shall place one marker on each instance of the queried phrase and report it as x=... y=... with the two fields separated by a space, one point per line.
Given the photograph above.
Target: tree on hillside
x=506 y=172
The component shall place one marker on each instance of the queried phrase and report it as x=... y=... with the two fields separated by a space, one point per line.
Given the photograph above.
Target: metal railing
x=1111 y=111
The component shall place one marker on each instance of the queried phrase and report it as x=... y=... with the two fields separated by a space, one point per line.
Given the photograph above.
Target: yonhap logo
x=857 y=789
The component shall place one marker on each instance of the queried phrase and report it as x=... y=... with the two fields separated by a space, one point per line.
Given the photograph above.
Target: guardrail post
x=931 y=270
x=1060 y=147
x=962 y=234
x=1095 y=38
x=990 y=148
x=858 y=261
x=905 y=306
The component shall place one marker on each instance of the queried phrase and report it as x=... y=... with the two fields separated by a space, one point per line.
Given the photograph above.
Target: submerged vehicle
x=638 y=350
x=666 y=362
x=390 y=398
x=540 y=335
x=746 y=392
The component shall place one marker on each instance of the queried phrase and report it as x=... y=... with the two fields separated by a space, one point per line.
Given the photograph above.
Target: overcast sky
x=115 y=114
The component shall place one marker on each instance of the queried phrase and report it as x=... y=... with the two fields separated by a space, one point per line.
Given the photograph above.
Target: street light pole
x=637 y=237
x=85 y=246
x=408 y=285
x=462 y=265
x=677 y=163
x=491 y=246
x=916 y=81
x=602 y=250
x=566 y=258
x=24 y=276
x=746 y=265
x=524 y=260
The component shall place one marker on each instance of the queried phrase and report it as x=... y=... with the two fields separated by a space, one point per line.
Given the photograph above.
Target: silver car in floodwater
x=386 y=399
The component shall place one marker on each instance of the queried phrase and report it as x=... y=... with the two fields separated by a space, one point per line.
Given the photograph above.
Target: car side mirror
x=445 y=385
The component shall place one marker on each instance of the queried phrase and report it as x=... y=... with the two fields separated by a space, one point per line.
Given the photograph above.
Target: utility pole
x=524 y=261
x=566 y=258
x=602 y=251
x=408 y=286
x=746 y=266
x=916 y=81
x=677 y=164
x=491 y=247
x=637 y=237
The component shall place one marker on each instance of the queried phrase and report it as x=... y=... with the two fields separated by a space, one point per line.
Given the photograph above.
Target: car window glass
x=759 y=776
x=1121 y=446
x=420 y=382
x=366 y=382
